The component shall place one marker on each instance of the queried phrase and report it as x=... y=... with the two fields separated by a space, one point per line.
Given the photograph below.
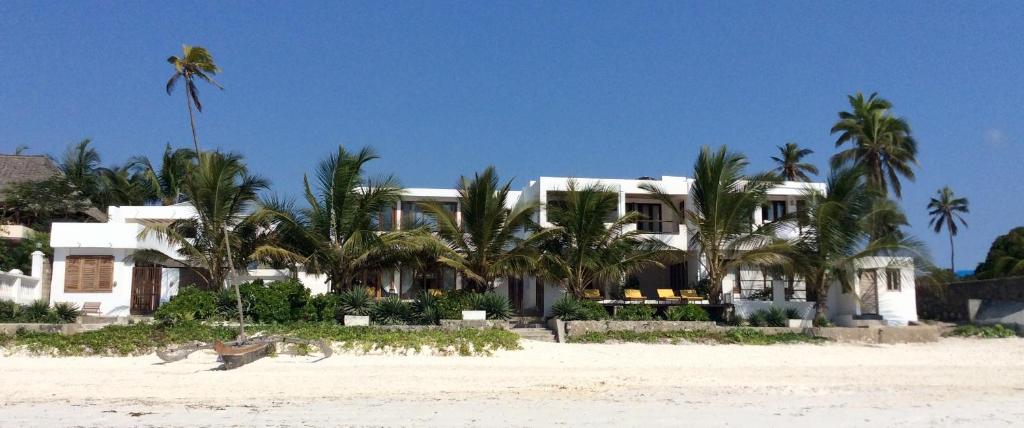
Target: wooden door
x=538 y=288
x=868 y=285
x=515 y=293
x=145 y=289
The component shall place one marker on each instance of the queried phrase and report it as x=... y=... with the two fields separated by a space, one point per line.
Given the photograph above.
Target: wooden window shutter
x=73 y=273
x=89 y=273
x=105 y=273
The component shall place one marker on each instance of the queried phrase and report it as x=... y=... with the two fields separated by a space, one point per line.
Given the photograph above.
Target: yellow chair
x=668 y=294
x=436 y=292
x=592 y=293
x=633 y=294
x=691 y=295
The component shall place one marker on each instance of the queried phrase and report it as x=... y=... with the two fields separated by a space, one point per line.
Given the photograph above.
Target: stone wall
x=874 y=335
x=948 y=302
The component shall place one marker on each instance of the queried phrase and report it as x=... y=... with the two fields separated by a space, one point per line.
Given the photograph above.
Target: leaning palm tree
x=835 y=233
x=583 y=251
x=223 y=193
x=167 y=180
x=195 y=63
x=340 y=234
x=724 y=202
x=493 y=239
x=881 y=143
x=945 y=211
x=790 y=166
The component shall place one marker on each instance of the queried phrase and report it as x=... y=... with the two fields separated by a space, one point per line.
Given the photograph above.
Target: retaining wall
x=874 y=335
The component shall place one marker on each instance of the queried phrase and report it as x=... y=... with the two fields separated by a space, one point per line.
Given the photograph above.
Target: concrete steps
x=540 y=334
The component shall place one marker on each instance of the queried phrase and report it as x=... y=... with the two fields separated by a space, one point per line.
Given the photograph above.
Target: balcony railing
x=658 y=226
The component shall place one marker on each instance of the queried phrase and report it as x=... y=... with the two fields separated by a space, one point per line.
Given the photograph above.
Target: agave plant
x=391 y=311
x=495 y=305
x=355 y=302
x=66 y=312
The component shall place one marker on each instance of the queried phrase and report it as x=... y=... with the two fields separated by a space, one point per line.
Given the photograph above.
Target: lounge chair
x=592 y=294
x=668 y=294
x=436 y=292
x=691 y=296
x=633 y=294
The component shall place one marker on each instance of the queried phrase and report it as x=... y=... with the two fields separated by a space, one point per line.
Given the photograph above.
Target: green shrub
x=981 y=331
x=66 y=312
x=189 y=304
x=425 y=309
x=327 y=307
x=38 y=312
x=569 y=308
x=391 y=311
x=355 y=302
x=822 y=321
x=758 y=319
x=451 y=304
x=496 y=306
x=742 y=336
x=776 y=317
x=687 y=313
x=793 y=314
x=9 y=311
x=635 y=313
x=277 y=302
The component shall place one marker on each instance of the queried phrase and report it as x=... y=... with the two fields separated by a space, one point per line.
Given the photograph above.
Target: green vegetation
x=141 y=339
x=38 y=312
x=741 y=336
x=497 y=306
x=635 y=313
x=981 y=331
x=1005 y=257
x=945 y=211
x=789 y=163
x=569 y=308
x=687 y=313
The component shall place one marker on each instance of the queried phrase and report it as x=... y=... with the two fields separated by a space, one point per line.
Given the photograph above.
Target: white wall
x=116 y=302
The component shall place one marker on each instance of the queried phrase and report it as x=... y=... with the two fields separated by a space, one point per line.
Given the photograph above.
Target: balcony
x=667 y=231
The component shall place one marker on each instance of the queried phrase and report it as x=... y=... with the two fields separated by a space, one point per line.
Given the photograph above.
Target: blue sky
x=600 y=89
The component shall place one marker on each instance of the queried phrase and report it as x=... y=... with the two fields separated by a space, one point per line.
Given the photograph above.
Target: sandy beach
x=951 y=383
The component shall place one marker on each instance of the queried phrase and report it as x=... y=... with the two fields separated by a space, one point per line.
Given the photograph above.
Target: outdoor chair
x=668 y=294
x=436 y=292
x=91 y=308
x=592 y=294
x=633 y=294
x=691 y=296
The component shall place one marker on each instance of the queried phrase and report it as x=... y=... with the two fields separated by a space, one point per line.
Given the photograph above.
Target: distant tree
x=789 y=163
x=124 y=185
x=1005 y=256
x=195 y=63
x=37 y=204
x=946 y=210
x=168 y=178
x=80 y=166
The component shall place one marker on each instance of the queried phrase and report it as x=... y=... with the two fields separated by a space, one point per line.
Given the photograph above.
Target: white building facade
x=93 y=261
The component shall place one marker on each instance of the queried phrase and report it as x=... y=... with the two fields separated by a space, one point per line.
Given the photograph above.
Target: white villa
x=93 y=262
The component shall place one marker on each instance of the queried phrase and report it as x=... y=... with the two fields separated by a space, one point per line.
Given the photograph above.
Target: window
x=892 y=280
x=796 y=290
x=89 y=274
x=651 y=221
x=386 y=218
x=773 y=211
x=413 y=215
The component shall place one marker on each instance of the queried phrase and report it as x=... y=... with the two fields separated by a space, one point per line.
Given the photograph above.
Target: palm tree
x=724 y=202
x=223 y=193
x=835 y=233
x=789 y=163
x=881 y=143
x=80 y=166
x=195 y=62
x=492 y=240
x=583 y=251
x=340 y=234
x=124 y=185
x=167 y=180
x=945 y=211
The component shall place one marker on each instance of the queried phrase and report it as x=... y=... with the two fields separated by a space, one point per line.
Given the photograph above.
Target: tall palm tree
x=340 y=234
x=80 y=166
x=945 y=211
x=835 y=233
x=492 y=240
x=789 y=163
x=124 y=185
x=880 y=143
x=195 y=63
x=167 y=180
x=583 y=251
x=223 y=193
x=724 y=202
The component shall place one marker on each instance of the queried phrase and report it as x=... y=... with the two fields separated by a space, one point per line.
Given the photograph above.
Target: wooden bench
x=91 y=308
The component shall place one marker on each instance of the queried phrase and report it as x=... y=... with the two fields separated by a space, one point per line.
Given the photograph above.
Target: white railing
x=20 y=289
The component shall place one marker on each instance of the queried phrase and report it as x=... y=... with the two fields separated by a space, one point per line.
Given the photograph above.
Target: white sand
x=950 y=383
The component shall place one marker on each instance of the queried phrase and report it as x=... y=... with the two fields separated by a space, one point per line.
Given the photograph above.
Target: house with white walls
x=93 y=261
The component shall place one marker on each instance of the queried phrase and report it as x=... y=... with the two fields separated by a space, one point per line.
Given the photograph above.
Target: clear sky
x=595 y=89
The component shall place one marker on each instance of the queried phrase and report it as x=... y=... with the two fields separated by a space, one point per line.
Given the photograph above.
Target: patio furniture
x=668 y=294
x=633 y=294
x=691 y=295
x=592 y=294
x=91 y=308
x=436 y=292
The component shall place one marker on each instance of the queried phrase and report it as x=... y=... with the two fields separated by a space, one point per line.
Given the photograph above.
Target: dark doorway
x=145 y=289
